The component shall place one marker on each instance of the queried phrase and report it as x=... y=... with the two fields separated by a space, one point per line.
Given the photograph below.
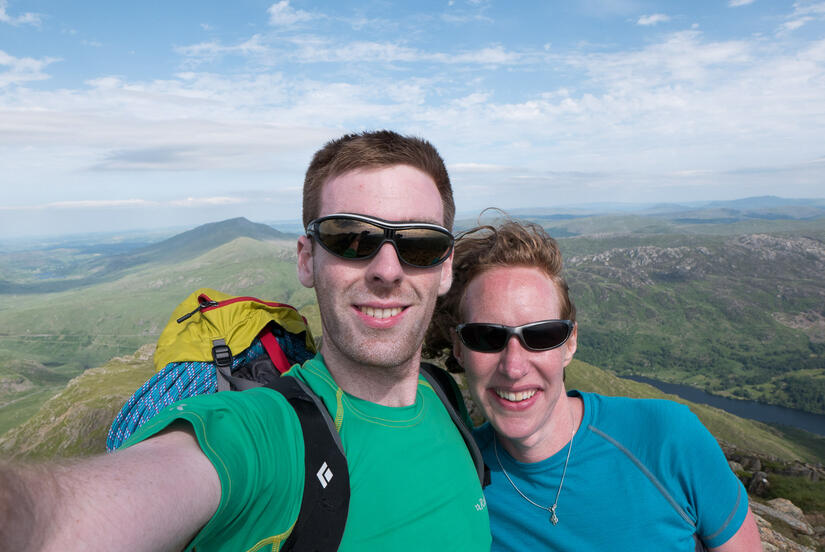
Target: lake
x=752 y=410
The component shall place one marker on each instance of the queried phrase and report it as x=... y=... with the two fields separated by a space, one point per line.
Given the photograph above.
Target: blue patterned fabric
x=181 y=380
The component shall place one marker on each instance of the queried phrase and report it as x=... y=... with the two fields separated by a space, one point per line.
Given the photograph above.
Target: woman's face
x=519 y=390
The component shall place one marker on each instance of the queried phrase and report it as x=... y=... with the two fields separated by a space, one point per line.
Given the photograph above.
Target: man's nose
x=385 y=267
x=513 y=360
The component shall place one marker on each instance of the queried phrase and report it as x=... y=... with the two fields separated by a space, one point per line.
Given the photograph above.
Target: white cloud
x=128 y=203
x=737 y=3
x=201 y=201
x=315 y=49
x=495 y=55
x=210 y=51
x=795 y=24
x=684 y=105
x=25 y=19
x=83 y=204
x=653 y=19
x=805 y=8
x=477 y=168
x=282 y=14
x=803 y=14
x=21 y=70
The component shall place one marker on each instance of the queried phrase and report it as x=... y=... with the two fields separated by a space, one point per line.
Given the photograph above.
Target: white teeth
x=515 y=397
x=380 y=313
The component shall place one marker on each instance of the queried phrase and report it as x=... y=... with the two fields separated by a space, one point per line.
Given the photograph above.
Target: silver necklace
x=552 y=509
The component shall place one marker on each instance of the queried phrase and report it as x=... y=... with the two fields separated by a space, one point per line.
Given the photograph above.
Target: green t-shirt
x=412 y=482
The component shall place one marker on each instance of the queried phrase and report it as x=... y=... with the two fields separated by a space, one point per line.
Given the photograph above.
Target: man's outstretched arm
x=154 y=495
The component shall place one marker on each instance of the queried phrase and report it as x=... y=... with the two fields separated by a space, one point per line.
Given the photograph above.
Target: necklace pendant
x=553 y=519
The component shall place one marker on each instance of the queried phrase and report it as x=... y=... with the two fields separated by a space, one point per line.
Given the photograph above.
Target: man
x=225 y=471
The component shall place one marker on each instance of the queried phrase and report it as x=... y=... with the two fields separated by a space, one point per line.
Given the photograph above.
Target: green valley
x=732 y=302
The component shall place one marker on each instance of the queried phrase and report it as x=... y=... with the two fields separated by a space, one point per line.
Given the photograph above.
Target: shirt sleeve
x=254 y=441
x=715 y=497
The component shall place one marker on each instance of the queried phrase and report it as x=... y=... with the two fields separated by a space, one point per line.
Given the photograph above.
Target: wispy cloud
x=282 y=14
x=28 y=18
x=315 y=49
x=647 y=20
x=212 y=201
x=682 y=104
x=82 y=204
x=803 y=13
x=128 y=203
x=737 y=3
x=206 y=52
x=477 y=168
x=19 y=70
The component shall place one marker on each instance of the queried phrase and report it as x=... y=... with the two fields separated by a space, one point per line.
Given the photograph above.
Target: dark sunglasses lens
x=483 y=337
x=353 y=239
x=546 y=335
x=422 y=246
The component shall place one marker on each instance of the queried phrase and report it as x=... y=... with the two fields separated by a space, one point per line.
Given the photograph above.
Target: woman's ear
x=446 y=275
x=457 y=348
x=306 y=272
x=571 y=344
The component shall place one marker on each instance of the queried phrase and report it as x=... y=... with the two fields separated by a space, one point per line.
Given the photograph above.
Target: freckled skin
x=376 y=352
x=539 y=426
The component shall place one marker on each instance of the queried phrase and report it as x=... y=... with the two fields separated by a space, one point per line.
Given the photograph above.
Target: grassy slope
x=51 y=338
x=75 y=421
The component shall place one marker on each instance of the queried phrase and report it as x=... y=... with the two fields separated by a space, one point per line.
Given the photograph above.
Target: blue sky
x=118 y=115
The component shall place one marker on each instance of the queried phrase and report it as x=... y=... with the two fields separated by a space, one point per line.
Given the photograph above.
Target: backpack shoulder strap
x=323 y=514
x=447 y=390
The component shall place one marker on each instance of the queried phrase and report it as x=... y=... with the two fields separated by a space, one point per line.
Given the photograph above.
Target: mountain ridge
x=97 y=268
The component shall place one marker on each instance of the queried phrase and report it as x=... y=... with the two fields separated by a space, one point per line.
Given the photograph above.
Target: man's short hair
x=483 y=248
x=376 y=149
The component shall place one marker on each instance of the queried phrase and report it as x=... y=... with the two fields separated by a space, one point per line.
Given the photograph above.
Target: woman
x=572 y=470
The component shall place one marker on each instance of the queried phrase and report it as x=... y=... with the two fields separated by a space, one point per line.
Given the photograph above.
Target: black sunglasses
x=349 y=236
x=535 y=336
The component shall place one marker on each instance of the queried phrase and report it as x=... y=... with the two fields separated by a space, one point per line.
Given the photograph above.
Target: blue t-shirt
x=643 y=475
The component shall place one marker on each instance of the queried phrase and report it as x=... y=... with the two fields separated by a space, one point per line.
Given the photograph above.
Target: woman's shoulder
x=484 y=435
x=609 y=412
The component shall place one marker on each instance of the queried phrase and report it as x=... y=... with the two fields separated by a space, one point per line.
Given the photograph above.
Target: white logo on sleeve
x=324 y=475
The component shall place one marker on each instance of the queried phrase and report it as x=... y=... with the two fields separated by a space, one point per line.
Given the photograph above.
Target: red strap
x=273 y=349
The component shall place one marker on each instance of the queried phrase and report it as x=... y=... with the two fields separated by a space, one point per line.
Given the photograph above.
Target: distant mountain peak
x=204 y=238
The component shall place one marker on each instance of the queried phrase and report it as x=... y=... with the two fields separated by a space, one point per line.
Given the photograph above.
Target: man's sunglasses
x=535 y=336
x=349 y=236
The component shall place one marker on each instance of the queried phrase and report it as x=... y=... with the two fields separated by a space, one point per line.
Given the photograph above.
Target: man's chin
x=385 y=353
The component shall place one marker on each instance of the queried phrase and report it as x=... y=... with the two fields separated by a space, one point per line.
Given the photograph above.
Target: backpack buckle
x=221 y=353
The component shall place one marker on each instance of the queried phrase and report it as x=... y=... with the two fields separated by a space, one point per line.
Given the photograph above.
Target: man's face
x=375 y=312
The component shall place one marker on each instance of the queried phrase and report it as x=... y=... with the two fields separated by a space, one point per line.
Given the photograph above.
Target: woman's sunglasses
x=535 y=336
x=349 y=236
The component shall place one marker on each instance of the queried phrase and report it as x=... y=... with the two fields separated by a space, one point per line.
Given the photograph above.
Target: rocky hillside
x=75 y=422
x=742 y=316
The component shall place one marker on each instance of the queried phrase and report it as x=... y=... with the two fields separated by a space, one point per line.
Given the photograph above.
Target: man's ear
x=446 y=275
x=306 y=273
